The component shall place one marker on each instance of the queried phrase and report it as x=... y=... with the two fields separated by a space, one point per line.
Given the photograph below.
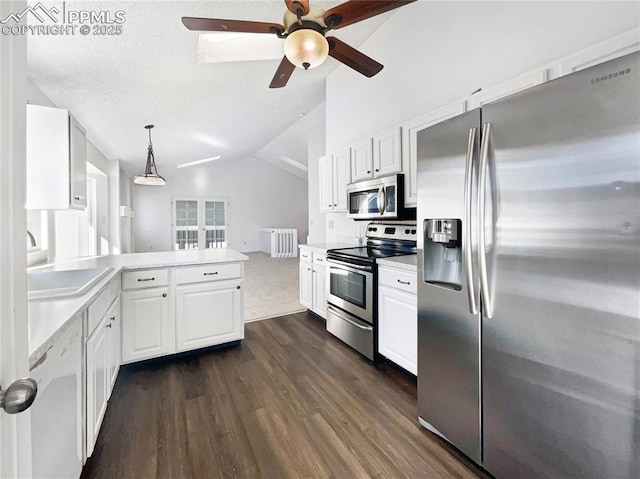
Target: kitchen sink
x=62 y=283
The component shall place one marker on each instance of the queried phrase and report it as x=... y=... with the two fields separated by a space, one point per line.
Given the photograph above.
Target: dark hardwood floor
x=289 y=401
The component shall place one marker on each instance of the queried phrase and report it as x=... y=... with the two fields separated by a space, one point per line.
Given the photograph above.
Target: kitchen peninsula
x=144 y=306
x=48 y=317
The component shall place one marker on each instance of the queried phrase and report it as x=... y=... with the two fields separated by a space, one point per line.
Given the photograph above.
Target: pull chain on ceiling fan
x=304 y=31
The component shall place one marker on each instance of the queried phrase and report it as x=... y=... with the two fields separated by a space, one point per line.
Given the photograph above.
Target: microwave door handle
x=382 y=200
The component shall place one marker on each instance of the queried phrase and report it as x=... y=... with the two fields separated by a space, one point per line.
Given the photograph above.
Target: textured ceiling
x=114 y=85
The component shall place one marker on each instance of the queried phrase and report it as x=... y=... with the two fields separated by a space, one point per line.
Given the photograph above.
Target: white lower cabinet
x=114 y=342
x=178 y=309
x=313 y=281
x=102 y=357
x=306 y=284
x=147 y=324
x=97 y=374
x=208 y=314
x=319 y=296
x=398 y=317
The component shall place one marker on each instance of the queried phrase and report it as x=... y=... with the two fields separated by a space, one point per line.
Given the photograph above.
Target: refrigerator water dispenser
x=443 y=253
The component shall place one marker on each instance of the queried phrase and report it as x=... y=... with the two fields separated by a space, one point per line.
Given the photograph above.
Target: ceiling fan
x=306 y=45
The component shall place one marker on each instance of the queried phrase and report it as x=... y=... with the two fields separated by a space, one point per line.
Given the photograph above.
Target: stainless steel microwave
x=378 y=198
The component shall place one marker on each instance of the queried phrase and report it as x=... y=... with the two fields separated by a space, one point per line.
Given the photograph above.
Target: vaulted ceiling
x=116 y=84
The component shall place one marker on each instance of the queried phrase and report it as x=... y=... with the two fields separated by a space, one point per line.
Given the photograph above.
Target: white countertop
x=407 y=263
x=48 y=318
x=324 y=247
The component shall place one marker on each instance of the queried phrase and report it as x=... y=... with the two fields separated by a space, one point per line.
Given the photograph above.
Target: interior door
x=15 y=438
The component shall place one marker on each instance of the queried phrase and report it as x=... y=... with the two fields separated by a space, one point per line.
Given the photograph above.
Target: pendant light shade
x=151 y=176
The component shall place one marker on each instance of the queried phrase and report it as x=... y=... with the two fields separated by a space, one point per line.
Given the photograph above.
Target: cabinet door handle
x=112 y=318
x=109 y=325
x=164 y=295
x=320 y=260
x=237 y=287
x=78 y=198
x=377 y=169
x=404 y=282
x=368 y=171
x=210 y=274
x=146 y=279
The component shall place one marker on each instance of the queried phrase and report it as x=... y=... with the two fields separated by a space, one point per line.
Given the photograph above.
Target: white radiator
x=279 y=242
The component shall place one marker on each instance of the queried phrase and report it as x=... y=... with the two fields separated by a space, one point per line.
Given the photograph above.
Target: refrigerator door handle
x=467 y=239
x=482 y=248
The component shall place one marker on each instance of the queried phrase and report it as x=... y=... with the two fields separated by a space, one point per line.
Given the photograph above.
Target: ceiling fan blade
x=353 y=58
x=358 y=10
x=220 y=25
x=283 y=73
x=293 y=5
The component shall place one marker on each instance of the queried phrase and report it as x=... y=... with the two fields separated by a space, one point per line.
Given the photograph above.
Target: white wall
x=259 y=194
x=316 y=141
x=435 y=53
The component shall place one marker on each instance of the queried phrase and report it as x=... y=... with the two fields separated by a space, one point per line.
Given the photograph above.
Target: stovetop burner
x=384 y=240
x=367 y=252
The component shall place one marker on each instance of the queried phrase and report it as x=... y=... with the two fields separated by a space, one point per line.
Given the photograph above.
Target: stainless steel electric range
x=352 y=306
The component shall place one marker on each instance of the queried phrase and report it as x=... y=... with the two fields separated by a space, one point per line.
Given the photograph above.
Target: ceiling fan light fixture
x=306 y=48
x=151 y=176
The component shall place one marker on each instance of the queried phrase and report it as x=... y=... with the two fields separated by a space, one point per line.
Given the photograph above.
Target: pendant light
x=151 y=176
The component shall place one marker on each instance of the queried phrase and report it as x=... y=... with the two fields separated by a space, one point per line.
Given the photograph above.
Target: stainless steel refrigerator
x=529 y=268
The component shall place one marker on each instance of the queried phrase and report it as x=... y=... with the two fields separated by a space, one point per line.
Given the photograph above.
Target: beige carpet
x=270 y=286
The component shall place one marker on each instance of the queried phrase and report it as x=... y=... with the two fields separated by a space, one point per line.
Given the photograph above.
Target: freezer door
x=448 y=330
x=561 y=345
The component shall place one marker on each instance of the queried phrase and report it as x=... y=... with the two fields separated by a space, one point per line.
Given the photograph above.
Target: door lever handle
x=19 y=396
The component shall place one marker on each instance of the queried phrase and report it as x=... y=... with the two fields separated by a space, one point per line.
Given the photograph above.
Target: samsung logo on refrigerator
x=610 y=76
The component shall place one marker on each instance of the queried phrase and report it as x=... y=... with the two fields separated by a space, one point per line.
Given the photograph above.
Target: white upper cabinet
x=362 y=160
x=334 y=174
x=507 y=88
x=56 y=160
x=77 y=165
x=410 y=145
x=341 y=177
x=615 y=47
x=377 y=156
x=387 y=153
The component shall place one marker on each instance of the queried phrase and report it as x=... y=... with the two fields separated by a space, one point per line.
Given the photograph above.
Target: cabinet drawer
x=320 y=259
x=209 y=272
x=145 y=279
x=99 y=307
x=402 y=280
x=305 y=255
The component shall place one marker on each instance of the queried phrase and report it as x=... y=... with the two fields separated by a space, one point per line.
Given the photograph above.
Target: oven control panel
x=406 y=232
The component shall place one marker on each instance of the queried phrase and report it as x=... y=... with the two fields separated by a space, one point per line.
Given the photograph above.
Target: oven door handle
x=350 y=321
x=350 y=265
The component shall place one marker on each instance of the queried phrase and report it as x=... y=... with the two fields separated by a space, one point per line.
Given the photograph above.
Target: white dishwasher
x=56 y=414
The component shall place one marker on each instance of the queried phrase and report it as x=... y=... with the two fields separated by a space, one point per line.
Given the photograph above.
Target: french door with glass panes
x=200 y=223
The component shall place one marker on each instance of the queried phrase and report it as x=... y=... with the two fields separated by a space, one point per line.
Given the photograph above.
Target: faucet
x=31 y=238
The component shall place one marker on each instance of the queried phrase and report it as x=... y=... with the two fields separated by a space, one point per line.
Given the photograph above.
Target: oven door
x=350 y=287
